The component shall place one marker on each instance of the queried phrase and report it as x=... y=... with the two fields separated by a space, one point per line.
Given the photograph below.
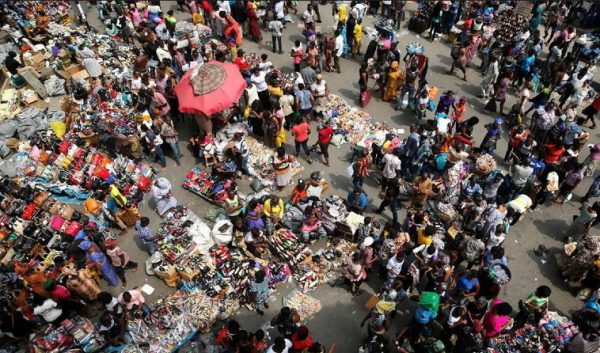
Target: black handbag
x=491 y=106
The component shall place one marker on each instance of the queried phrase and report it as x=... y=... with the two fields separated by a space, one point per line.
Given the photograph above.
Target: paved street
x=339 y=320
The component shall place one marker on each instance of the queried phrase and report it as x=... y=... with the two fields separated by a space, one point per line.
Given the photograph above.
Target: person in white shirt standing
x=339 y=50
x=276 y=26
x=391 y=167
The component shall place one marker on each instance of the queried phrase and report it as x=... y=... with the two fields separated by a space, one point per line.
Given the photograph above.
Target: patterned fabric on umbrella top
x=208 y=78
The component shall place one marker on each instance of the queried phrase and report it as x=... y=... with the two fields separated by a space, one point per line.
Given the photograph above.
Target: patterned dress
x=261 y=291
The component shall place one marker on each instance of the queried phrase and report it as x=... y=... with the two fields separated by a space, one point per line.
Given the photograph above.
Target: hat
x=368 y=241
x=463 y=99
x=85 y=245
x=563 y=117
x=300 y=181
x=319 y=77
x=394 y=65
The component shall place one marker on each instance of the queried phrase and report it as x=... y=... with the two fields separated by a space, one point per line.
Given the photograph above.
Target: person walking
x=301 y=132
x=142 y=226
x=170 y=136
x=325 y=134
x=338 y=50
x=260 y=291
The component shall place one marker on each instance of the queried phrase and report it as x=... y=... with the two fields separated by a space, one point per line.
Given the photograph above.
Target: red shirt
x=241 y=63
x=325 y=135
x=553 y=154
x=301 y=345
x=596 y=104
x=301 y=131
x=207 y=7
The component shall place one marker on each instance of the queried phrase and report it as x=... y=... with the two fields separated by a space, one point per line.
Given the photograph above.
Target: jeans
x=244 y=165
x=150 y=248
x=304 y=145
x=159 y=155
x=411 y=90
x=176 y=150
x=277 y=40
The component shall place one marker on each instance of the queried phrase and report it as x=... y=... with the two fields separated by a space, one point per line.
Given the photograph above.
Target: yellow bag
x=433 y=91
x=59 y=128
x=247 y=112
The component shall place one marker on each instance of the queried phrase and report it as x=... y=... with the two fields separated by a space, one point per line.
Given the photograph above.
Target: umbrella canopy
x=210 y=88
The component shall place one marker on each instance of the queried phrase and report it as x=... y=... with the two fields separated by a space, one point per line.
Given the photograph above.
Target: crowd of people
x=446 y=254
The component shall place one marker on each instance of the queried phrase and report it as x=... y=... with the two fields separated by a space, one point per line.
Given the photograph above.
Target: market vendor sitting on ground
x=357 y=200
x=256 y=243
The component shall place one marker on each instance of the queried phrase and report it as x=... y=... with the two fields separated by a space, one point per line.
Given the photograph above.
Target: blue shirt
x=467 y=284
x=362 y=201
x=527 y=62
x=304 y=99
x=471 y=190
x=573 y=130
x=593 y=304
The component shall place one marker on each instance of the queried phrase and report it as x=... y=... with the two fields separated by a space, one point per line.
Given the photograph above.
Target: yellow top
x=274 y=210
x=358 y=32
x=422 y=238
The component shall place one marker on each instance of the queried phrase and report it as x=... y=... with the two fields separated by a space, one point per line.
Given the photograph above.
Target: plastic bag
x=222 y=232
x=430 y=300
x=59 y=128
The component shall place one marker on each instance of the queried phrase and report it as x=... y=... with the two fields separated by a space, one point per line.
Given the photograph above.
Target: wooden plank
x=36 y=84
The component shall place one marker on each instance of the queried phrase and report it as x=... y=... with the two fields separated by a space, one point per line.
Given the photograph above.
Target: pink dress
x=136 y=18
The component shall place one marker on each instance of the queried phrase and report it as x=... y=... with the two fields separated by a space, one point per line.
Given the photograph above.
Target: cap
x=563 y=117
x=319 y=76
x=368 y=241
x=300 y=181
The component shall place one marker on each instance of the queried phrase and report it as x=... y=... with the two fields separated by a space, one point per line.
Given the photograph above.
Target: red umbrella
x=210 y=88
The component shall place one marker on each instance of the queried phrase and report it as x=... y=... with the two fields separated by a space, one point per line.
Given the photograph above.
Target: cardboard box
x=77 y=71
x=38 y=60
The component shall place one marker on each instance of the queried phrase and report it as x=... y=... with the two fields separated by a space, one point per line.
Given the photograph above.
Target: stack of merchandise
x=306 y=305
x=334 y=211
x=260 y=162
x=237 y=270
x=84 y=333
x=288 y=248
x=553 y=334
x=209 y=187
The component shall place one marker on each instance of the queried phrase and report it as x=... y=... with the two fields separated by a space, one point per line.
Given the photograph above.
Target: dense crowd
x=461 y=203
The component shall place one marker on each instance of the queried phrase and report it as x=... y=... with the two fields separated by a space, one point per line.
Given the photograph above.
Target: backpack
x=455 y=51
x=433 y=345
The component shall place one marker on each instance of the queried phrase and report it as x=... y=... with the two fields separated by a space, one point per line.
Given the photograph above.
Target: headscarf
x=161 y=187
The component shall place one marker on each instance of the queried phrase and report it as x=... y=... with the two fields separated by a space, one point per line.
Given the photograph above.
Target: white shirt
x=339 y=45
x=391 y=163
x=48 y=310
x=288 y=345
x=394 y=267
x=259 y=81
x=442 y=124
x=275 y=26
x=309 y=16
x=520 y=204
x=113 y=302
x=278 y=8
x=319 y=89
x=224 y=6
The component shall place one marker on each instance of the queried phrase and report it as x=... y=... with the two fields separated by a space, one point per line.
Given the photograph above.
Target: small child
x=260 y=289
